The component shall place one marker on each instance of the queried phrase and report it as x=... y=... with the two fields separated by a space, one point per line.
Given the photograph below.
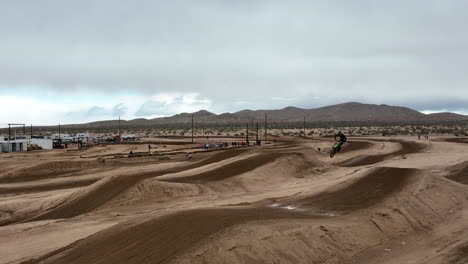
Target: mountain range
x=351 y=111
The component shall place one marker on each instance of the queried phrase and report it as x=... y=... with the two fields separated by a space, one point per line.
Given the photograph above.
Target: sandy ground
x=379 y=200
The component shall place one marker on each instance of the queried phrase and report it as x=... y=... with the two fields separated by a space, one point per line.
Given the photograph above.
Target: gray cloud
x=96 y=112
x=317 y=52
x=119 y=109
x=172 y=104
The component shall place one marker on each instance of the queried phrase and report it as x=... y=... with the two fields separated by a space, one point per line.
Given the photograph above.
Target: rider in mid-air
x=341 y=139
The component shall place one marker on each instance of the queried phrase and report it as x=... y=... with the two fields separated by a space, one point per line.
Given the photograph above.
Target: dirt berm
x=362 y=160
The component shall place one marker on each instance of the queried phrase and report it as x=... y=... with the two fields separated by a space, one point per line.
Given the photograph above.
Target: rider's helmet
x=340 y=132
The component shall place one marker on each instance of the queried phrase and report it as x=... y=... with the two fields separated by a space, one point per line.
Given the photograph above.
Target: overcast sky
x=80 y=61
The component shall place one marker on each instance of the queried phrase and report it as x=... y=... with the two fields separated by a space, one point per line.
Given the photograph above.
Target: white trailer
x=44 y=143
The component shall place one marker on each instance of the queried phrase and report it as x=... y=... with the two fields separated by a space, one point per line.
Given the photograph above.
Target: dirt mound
x=165 y=238
x=458 y=255
x=106 y=189
x=272 y=173
x=229 y=170
x=463 y=140
x=458 y=173
x=48 y=170
x=369 y=190
x=362 y=160
x=424 y=202
x=47 y=186
x=159 y=239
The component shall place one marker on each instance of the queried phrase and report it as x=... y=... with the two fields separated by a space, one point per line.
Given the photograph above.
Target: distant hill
x=446 y=116
x=341 y=112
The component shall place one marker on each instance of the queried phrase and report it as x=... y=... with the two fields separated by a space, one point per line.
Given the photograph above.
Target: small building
x=14 y=145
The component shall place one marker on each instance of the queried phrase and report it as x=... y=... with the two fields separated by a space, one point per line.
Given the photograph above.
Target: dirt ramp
x=362 y=160
x=459 y=173
x=273 y=173
x=49 y=170
x=47 y=186
x=230 y=169
x=159 y=240
x=221 y=155
x=369 y=190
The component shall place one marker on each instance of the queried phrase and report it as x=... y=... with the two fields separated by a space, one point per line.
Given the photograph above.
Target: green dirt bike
x=336 y=148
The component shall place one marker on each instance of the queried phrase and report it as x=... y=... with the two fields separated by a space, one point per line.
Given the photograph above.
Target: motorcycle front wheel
x=332 y=153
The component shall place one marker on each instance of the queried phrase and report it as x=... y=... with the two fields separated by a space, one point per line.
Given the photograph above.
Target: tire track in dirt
x=362 y=160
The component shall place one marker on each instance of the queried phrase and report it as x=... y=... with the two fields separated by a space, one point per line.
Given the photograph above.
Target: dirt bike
x=335 y=148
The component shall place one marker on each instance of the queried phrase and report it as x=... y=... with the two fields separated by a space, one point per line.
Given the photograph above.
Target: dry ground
x=380 y=200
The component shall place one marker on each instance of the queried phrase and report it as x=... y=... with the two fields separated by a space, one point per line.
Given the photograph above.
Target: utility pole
x=203 y=127
x=266 y=128
x=304 y=128
x=60 y=138
x=256 y=137
x=192 y=129
x=31 y=132
x=120 y=133
x=247 y=135
x=9 y=131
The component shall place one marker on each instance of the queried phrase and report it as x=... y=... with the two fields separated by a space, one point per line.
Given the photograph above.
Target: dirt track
x=292 y=204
